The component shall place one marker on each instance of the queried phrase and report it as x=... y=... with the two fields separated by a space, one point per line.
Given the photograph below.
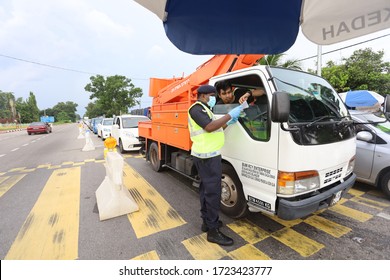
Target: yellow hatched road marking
x=371 y=203
x=355 y=192
x=298 y=242
x=248 y=252
x=51 y=230
x=201 y=249
x=155 y=214
x=327 y=226
x=8 y=182
x=352 y=213
x=152 y=255
x=285 y=223
x=248 y=231
x=17 y=169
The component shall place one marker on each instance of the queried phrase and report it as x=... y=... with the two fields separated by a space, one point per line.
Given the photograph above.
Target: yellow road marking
x=51 y=230
x=201 y=249
x=352 y=213
x=248 y=252
x=44 y=166
x=355 y=192
x=248 y=231
x=16 y=169
x=327 y=226
x=8 y=182
x=285 y=223
x=152 y=255
x=155 y=214
x=298 y=242
x=371 y=203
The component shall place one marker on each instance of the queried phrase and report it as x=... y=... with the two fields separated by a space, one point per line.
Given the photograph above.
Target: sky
x=52 y=48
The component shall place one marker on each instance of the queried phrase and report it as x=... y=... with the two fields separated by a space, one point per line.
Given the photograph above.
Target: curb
x=13 y=130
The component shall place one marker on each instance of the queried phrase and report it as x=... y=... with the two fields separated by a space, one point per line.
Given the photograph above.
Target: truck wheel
x=385 y=184
x=121 y=147
x=153 y=157
x=233 y=202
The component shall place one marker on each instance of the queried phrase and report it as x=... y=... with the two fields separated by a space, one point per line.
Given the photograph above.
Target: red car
x=38 y=127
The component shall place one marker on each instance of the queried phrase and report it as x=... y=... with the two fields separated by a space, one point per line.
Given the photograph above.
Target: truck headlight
x=129 y=134
x=297 y=182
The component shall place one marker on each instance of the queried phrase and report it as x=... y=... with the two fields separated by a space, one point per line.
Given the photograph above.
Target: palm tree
x=275 y=60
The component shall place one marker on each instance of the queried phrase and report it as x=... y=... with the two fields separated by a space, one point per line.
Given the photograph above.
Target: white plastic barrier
x=89 y=146
x=113 y=199
x=81 y=132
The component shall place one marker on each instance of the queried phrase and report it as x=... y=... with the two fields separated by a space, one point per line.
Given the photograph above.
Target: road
x=48 y=211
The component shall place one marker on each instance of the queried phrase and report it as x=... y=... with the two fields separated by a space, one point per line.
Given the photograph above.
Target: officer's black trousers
x=210 y=172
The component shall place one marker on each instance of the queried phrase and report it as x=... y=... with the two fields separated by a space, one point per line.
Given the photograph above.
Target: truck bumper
x=290 y=210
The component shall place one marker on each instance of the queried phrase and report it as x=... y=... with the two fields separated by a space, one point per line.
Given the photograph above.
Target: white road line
x=25 y=145
x=14 y=149
x=2 y=155
x=384 y=215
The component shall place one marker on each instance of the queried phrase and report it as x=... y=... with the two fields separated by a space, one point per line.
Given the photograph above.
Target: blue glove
x=232 y=121
x=235 y=113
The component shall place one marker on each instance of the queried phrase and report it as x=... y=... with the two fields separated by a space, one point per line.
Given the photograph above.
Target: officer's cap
x=205 y=89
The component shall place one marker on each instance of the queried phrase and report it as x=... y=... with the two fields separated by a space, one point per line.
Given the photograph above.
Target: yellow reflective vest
x=205 y=144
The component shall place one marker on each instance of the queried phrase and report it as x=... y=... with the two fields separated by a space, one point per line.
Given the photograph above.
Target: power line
x=48 y=65
x=59 y=67
x=314 y=56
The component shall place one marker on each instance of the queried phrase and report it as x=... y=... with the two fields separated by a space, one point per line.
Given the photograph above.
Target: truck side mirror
x=280 y=107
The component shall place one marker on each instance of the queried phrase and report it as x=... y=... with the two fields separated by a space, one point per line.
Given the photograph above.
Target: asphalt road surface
x=49 y=211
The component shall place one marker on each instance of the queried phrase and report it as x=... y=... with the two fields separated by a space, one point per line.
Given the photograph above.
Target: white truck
x=291 y=153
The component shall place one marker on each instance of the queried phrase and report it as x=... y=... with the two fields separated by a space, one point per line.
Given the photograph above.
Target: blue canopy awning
x=360 y=98
x=265 y=26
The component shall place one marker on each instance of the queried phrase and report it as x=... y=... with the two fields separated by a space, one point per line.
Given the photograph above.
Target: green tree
x=367 y=70
x=69 y=108
x=93 y=110
x=7 y=101
x=114 y=95
x=276 y=60
x=336 y=75
x=364 y=69
x=63 y=117
x=28 y=109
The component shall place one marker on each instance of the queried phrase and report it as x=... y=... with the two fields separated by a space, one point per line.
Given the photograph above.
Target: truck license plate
x=336 y=198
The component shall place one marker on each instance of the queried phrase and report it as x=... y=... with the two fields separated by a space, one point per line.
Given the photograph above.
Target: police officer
x=207 y=135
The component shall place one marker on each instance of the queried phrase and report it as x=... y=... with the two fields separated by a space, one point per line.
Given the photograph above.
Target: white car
x=104 y=128
x=372 y=164
x=125 y=132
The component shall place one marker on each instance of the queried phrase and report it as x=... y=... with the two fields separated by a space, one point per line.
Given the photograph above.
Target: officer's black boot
x=215 y=236
x=205 y=227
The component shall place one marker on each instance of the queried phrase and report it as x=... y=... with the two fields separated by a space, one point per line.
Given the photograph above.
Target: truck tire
x=385 y=183
x=153 y=157
x=233 y=202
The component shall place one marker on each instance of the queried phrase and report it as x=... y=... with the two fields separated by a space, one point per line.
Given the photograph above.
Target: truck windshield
x=315 y=108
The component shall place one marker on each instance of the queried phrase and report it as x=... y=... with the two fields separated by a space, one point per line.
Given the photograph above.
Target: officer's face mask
x=212 y=101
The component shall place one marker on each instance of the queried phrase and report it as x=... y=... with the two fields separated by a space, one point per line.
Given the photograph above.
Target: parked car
x=39 y=127
x=372 y=164
x=104 y=128
x=125 y=132
x=95 y=124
